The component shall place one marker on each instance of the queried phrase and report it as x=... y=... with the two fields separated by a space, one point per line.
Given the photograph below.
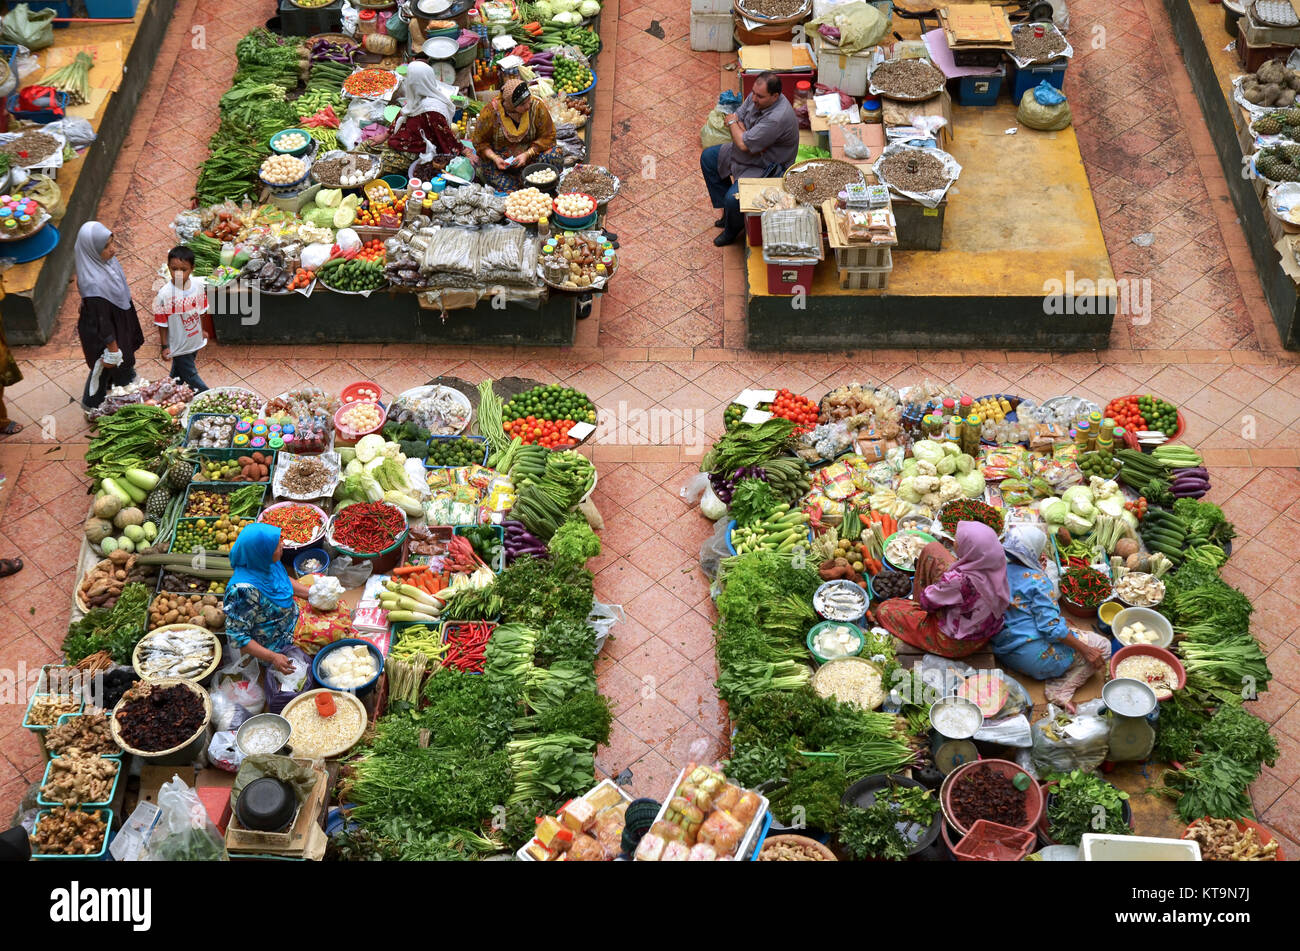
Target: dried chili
x=368 y=527
x=298 y=524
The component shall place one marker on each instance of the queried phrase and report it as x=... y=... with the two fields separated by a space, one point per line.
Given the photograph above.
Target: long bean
x=489 y=417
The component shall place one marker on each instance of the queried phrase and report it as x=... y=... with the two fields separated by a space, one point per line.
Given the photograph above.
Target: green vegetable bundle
x=116 y=630
x=749 y=446
x=1084 y=802
x=131 y=438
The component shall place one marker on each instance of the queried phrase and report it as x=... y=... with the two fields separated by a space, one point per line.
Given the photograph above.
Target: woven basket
x=802 y=841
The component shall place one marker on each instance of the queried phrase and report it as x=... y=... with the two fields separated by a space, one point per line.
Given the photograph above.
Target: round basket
x=819 y=599
x=571 y=223
x=1265 y=837
x=1149 y=618
x=151 y=685
x=1150 y=650
x=1049 y=789
x=748 y=14
x=316 y=537
x=871 y=589
x=798 y=193
x=352 y=435
x=216 y=651
x=380 y=558
x=352 y=392
x=824 y=673
x=600 y=203
x=940 y=81
x=1033 y=794
x=938 y=522
x=1131 y=440
x=800 y=841
x=376 y=167
x=225 y=391
x=286 y=189
x=885 y=547
x=340 y=698
x=548 y=187
x=459 y=395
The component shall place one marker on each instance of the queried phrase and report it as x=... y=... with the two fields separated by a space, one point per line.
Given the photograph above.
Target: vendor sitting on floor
x=425 y=117
x=260 y=611
x=957 y=603
x=764 y=142
x=514 y=130
x=1036 y=641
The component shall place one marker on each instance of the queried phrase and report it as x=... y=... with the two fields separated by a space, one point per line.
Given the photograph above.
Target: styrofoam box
x=711 y=6
x=848 y=73
x=522 y=852
x=1137 y=848
x=712 y=31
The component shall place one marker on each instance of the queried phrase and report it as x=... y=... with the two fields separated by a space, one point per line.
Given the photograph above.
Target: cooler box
x=784 y=278
x=1029 y=77
x=712 y=32
x=980 y=90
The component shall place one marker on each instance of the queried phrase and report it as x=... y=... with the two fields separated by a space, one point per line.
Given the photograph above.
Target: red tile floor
x=669 y=337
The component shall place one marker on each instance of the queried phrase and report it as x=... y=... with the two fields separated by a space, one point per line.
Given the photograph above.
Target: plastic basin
x=912 y=531
x=352 y=393
x=1150 y=650
x=1033 y=794
x=323 y=680
x=1152 y=620
x=826 y=625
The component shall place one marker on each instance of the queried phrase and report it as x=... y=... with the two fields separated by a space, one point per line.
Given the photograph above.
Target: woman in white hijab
x=107 y=325
x=425 y=116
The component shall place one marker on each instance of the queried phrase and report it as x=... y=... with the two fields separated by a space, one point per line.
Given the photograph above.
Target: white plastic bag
x=854 y=147
x=314 y=255
x=602 y=618
x=224 y=753
x=1080 y=741
x=348 y=240
x=296 y=679
x=352 y=574
x=324 y=593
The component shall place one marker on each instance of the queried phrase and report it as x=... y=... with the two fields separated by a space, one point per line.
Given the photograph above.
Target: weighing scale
x=1130 y=705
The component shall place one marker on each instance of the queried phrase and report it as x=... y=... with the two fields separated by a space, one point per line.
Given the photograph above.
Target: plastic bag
x=78 y=132
x=314 y=255
x=281 y=688
x=860 y=26
x=33 y=29
x=854 y=147
x=324 y=593
x=224 y=752
x=184 y=832
x=347 y=240
x=1063 y=742
x=352 y=574
x=715 y=131
x=715 y=548
x=602 y=618
x=1045 y=117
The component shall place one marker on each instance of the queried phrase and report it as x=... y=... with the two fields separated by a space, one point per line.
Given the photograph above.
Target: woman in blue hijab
x=260 y=610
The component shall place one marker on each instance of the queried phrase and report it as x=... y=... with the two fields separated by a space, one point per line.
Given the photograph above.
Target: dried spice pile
x=159 y=718
x=907 y=79
x=1038 y=48
x=774 y=9
x=984 y=794
x=590 y=181
x=914 y=171
x=827 y=180
x=307 y=476
x=30 y=148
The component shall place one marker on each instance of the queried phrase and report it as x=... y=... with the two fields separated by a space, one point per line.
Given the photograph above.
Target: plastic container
x=111 y=9
x=787 y=278
x=731 y=527
x=352 y=393
x=62 y=8
x=224 y=454
x=1265 y=837
x=1033 y=793
x=993 y=842
x=319 y=676
x=573 y=224
x=300 y=150
x=397 y=183
x=42 y=801
x=1023 y=80
x=980 y=90
x=316 y=537
x=41 y=116
x=825 y=625
x=1137 y=848
x=863 y=794
x=307 y=554
x=1150 y=650
x=1152 y=620
x=344 y=435
x=189 y=431
x=928 y=538
x=27 y=724
x=105 y=814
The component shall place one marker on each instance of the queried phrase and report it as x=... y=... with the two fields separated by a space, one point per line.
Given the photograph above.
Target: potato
x=1270 y=93
x=171 y=617
x=244 y=461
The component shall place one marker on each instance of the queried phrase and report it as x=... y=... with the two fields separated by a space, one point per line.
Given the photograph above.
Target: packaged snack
x=650 y=848
x=747 y=807
x=540 y=852
x=722 y=831
x=703 y=852
x=578 y=814
x=609 y=828
x=726 y=799
x=586 y=849
x=668 y=831
x=602 y=797
x=675 y=852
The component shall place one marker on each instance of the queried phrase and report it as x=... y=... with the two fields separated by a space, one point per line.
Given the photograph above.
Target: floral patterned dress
x=251 y=616
x=1031 y=639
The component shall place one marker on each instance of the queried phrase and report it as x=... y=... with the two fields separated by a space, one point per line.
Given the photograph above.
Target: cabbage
x=1077 y=525
x=329 y=197
x=965 y=463
x=947 y=465
x=1075 y=492
x=564 y=6
x=344 y=217
x=354 y=467
x=1054 y=510
x=927 y=450
x=544 y=9
x=950 y=447
x=908 y=493
x=909 y=467
x=369 y=447
x=1082 y=506
x=1112 y=505
x=370 y=485
x=589 y=8
x=318 y=216
x=972 y=483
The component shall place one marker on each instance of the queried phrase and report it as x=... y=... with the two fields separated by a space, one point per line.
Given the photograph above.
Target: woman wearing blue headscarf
x=260 y=611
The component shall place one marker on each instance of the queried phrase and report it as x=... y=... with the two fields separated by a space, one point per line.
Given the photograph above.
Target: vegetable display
x=1082 y=803
x=1085 y=586
x=873 y=832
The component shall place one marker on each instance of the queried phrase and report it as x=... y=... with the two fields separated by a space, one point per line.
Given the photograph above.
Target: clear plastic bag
x=854 y=147
x=324 y=593
x=455 y=252
x=715 y=548
x=224 y=752
x=1064 y=742
x=602 y=619
x=352 y=574
x=184 y=832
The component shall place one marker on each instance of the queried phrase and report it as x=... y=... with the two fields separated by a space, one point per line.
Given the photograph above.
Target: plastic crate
x=189 y=428
x=41 y=116
x=171 y=544
x=105 y=814
x=42 y=801
x=111 y=9
x=221 y=488
x=785 y=278
x=43 y=727
x=868 y=278
x=449 y=627
x=1025 y=79
x=980 y=90
x=62 y=8
x=223 y=454
x=478 y=439
x=993 y=842
x=919 y=228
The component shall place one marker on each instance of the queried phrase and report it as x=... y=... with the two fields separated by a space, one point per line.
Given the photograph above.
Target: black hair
x=181 y=253
x=769 y=80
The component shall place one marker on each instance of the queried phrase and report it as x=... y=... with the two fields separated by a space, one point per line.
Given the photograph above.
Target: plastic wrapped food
x=675 y=852
x=668 y=831
x=722 y=831
x=609 y=828
x=727 y=798
x=455 y=252
x=650 y=849
x=586 y=849
x=501 y=248
x=747 y=807
x=792 y=234
x=703 y=852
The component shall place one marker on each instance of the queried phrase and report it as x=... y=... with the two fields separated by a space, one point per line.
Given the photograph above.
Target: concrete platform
x=1020 y=227
x=34 y=291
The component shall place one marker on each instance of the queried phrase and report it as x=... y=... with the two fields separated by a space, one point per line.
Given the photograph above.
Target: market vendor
x=260 y=611
x=514 y=130
x=425 y=117
x=764 y=142
x=1036 y=640
x=957 y=602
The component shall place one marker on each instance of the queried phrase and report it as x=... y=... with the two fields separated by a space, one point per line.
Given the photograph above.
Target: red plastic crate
x=784 y=278
x=993 y=842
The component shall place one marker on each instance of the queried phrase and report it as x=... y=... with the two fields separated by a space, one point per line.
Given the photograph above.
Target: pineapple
x=180 y=466
x=1291 y=116
x=1292 y=153
x=1269 y=125
x=155 y=506
x=1288 y=173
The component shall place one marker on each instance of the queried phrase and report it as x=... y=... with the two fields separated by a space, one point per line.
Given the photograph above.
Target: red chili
x=368 y=527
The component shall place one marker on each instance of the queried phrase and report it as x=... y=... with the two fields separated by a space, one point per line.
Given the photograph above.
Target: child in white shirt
x=178 y=314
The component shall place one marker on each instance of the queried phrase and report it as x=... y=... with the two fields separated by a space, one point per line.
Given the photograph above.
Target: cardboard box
x=903 y=113
x=305 y=839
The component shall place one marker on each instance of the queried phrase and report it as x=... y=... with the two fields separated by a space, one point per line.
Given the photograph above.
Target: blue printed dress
x=1031 y=639
x=251 y=616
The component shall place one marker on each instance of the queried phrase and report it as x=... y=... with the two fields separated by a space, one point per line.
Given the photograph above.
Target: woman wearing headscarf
x=514 y=131
x=9 y=375
x=1035 y=640
x=957 y=602
x=425 y=117
x=260 y=611
x=107 y=325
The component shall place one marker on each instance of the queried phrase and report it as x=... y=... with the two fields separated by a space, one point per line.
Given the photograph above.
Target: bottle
x=1094 y=420
x=949 y=406
x=970 y=435
x=871 y=111
x=1083 y=435
x=988 y=431
x=955 y=424
x=543 y=227
x=966 y=404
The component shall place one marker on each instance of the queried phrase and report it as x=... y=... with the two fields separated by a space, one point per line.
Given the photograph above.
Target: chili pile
x=1085 y=586
x=970 y=510
x=368 y=527
x=298 y=524
x=467 y=645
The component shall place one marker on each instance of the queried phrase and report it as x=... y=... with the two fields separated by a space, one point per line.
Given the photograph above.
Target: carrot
x=409 y=570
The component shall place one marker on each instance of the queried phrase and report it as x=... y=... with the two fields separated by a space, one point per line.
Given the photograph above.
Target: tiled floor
x=665 y=353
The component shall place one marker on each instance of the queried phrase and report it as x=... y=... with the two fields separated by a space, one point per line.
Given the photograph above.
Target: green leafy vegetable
x=872 y=833
x=116 y=630
x=1082 y=803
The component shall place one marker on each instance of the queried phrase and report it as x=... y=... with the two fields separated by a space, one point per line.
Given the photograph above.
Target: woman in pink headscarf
x=957 y=603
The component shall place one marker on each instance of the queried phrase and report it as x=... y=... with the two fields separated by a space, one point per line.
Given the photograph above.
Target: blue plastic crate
x=62 y=8
x=1031 y=76
x=42 y=801
x=105 y=814
x=980 y=90
x=39 y=115
x=111 y=9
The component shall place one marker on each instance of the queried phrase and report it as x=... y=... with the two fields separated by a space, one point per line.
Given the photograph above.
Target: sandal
x=10 y=566
x=12 y=428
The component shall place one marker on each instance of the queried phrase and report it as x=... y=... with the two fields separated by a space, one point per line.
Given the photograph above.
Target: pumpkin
x=129 y=516
x=107 y=505
x=380 y=44
x=97 y=529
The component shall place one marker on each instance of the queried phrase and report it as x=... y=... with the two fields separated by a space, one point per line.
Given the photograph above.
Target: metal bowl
x=1128 y=697
x=263 y=720
x=969 y=707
